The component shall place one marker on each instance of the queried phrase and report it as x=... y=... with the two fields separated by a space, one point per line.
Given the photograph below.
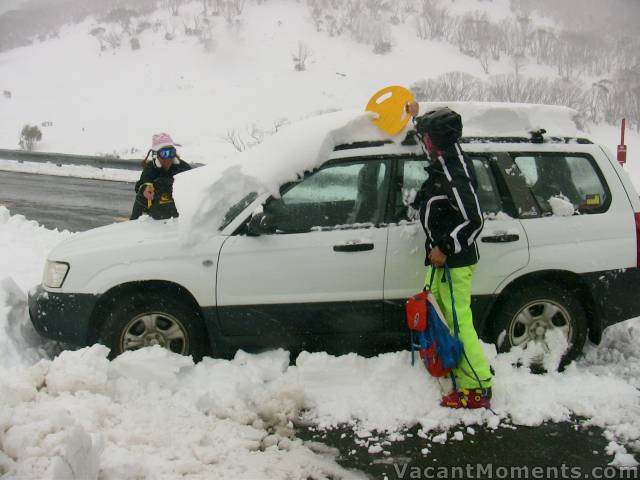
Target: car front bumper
x=62 y=316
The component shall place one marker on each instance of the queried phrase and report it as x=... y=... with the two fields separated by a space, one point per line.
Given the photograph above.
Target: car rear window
x=574 y=178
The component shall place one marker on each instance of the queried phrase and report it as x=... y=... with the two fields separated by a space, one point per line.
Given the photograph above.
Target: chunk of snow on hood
x=205 y=194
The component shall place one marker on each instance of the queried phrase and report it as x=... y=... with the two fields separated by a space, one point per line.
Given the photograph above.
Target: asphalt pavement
x=69 y=203
x=509 y=452
x=79 y=204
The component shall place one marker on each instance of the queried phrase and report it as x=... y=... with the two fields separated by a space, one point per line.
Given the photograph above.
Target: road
x=69 y=203
x=79 y=204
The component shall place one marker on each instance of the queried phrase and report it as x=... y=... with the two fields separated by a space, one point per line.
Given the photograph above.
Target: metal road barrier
x=67 y=159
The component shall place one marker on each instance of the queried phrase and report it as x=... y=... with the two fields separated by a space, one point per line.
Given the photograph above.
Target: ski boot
x=472 y=399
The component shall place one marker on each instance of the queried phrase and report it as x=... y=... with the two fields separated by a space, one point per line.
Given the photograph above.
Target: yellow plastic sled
x=389 y=103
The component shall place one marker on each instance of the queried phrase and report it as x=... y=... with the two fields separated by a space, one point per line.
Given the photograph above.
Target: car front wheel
x=148 y=319
x=533 y=315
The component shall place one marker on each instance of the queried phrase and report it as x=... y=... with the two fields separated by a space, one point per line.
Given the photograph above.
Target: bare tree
x=235 y=139
x=206 y=38
x=628 y=81
x=301 y=56
x=173 y=6
x=113 y=39
x=29 y=136
x=503 y=88
x=542 y=44
x=252 y=136
x=518 y=62
x=433 y=20
x=451 y=86
x=232 y=9
x=279 y=123
x=123 y=17
x=99 y=33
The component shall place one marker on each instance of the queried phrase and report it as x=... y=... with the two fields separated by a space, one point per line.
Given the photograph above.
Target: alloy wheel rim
x=155 y=328
x=533 y=321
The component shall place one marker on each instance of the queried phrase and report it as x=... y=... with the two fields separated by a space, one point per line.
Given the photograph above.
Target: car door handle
x=501 y=238
x=353 y=247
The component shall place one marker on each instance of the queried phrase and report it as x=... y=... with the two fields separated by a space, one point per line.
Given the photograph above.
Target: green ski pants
x=461 y=279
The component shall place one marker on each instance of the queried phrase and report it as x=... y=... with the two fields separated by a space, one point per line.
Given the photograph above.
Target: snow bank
x=24 y=245
x=154 y=414
x=23 y=248
x=81 y=416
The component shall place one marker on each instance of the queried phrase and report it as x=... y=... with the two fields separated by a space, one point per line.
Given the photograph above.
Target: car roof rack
x=536 y=137
x=582 y=141
x=364 y=144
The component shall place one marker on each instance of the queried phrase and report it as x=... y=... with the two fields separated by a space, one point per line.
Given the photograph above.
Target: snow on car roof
x=204 y=195
x=497 y=119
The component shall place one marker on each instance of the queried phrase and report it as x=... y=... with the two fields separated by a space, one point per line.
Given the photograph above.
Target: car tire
x=529 y=312
x=154 y=318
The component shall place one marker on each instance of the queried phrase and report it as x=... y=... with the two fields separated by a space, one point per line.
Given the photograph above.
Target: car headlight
x=55 y=273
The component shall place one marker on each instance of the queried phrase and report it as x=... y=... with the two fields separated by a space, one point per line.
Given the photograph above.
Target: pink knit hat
x=161 y=140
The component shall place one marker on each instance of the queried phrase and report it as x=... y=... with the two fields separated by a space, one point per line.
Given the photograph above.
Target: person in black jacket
x=452 y=220
x=154 y=190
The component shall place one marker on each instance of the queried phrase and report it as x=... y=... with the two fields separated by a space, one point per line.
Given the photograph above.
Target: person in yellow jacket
x=452 y=220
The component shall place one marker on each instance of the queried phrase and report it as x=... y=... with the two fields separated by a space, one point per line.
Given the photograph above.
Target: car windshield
x=236 y=209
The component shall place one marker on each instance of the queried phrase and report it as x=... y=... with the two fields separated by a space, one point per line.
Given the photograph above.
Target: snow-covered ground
x=153 y=414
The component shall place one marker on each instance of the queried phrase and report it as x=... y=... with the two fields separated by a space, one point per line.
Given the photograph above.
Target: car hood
x=144 y=233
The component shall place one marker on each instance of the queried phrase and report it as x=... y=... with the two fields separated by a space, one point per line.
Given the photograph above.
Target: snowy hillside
x=236 y=81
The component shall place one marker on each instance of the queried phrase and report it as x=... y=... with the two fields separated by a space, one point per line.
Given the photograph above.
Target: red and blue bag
x=439 y=350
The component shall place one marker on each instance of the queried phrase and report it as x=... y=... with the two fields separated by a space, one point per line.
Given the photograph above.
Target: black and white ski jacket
x=449 y=209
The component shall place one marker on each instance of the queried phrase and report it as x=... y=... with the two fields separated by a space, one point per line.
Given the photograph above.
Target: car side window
x=573 y=178
x=339 y=194
x=414 y=175
x=487 y=190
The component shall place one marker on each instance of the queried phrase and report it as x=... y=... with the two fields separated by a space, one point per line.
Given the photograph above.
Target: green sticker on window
x=593 y=200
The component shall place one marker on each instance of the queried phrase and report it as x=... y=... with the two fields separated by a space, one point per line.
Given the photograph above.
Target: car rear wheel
x=534 y=314
x=155 y=318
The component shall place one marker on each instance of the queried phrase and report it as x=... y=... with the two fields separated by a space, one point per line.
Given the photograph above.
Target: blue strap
x=413 y=350
x=433 y=274
x=456 y=325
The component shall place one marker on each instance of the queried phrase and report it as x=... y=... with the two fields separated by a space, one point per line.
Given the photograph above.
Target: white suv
x=328 y=265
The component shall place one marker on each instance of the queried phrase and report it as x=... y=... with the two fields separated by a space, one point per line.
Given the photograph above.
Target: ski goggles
x=167 y=153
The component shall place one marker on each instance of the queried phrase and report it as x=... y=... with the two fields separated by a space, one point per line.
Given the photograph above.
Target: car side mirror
x=260 y=223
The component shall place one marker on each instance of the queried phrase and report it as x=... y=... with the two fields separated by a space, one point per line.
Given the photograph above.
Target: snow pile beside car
x=154 y=414
x=204 y=195
x=24 y=245
x=23 y=248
